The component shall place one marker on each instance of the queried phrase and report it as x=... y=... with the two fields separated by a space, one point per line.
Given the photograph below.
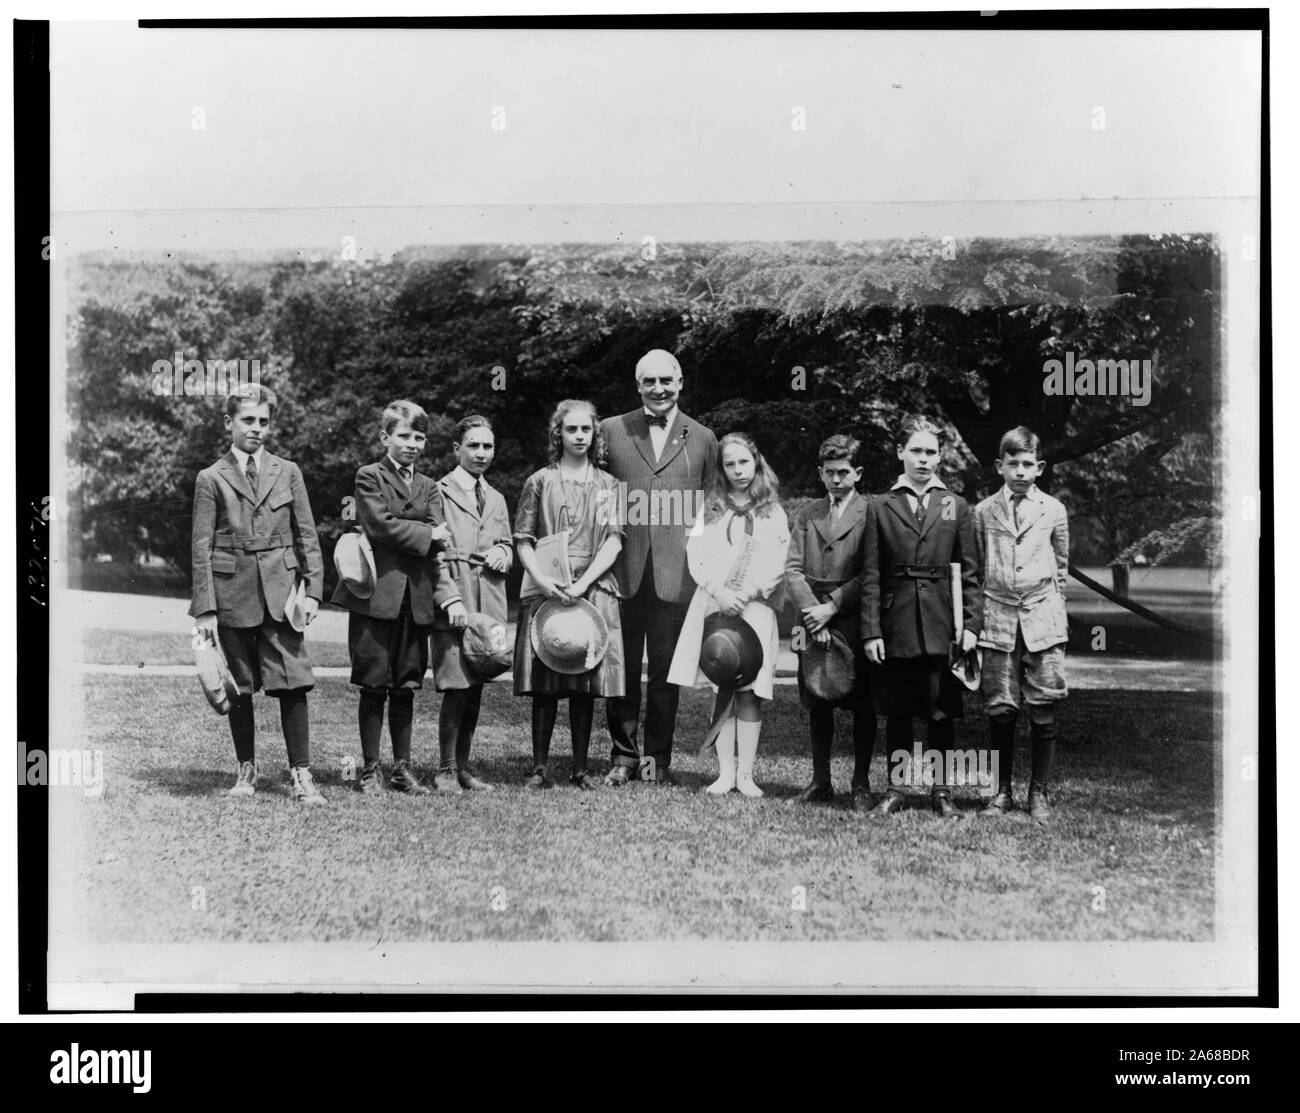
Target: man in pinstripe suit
x=664 y=460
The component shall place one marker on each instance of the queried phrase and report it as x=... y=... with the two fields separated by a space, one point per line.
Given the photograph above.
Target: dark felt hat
x=829 y=671
x=730 y=653
x=485 y=647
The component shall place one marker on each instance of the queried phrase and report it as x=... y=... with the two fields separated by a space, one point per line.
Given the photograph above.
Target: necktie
x=1016 y=500
x=479 y=497
x=920 y=511
x=837 y=508
x=661 y=420
x=251 y=472
x=408 y=476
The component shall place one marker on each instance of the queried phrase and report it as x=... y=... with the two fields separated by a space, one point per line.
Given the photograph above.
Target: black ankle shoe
x=998 y=805
x=942 y=803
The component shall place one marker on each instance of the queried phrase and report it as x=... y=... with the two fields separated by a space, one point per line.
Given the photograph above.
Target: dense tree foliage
x=788 y=341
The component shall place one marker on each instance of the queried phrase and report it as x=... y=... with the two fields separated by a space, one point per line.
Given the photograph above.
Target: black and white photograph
x=694 y=508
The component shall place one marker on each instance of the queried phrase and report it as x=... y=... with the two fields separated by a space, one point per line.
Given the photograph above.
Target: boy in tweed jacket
x=1023 y=539
x=254 y=537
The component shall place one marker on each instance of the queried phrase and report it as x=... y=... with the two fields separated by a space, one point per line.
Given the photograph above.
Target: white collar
x=1032 y=493
x=845 y=501
x=935 y=481
x=242 y=457
x=462 y=479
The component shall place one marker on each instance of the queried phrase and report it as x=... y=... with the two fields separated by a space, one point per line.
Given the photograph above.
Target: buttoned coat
x=399 y=524
x=249 y=547
x=825 y=559
x=1024 y=571
x=914 y=616
x=481 y=589
x=662 y=498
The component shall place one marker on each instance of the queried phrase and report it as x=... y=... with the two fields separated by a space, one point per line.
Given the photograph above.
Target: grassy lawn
x=1135 y=793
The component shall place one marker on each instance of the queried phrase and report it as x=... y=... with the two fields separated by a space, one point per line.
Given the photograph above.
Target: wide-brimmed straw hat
x=570 y=638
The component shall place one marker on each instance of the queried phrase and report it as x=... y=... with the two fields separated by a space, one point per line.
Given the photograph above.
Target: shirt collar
x=242 y=457
x=396 y=467
x=844 y=501
x=902 y=483
x=1032 y=493
x=462 y=479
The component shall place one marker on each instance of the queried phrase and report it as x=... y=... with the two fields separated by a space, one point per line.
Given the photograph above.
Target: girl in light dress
x=736 y=552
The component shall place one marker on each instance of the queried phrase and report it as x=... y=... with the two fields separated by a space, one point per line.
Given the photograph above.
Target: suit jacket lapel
x=641 y=438
x=236 y=477
x=1000 y=512
x=1030 y=511
x=458 y=495
x=850 y=518
x=934 y=508
x=820 y=516
x=675 y=443
x=266 y=477
x=396 y=488
x=898 y=504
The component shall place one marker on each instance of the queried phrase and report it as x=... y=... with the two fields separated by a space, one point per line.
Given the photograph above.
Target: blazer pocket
x=279 y=498
x=224 y=564
x=290 y=559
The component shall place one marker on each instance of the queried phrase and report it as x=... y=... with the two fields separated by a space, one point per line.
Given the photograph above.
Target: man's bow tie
x=661 y=420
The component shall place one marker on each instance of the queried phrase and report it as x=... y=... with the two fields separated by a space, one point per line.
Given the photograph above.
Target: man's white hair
x=657 y=356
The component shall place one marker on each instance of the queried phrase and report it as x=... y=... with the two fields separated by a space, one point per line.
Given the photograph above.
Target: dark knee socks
x=581 y=710
x=1002 y=740
x=939 y=737
x=401 y=713
x=293 y=721
x=821 y=721
x=1042 y=747
x=468 y=724
x=457 y=722
x=370 y=721
x=898 y=736
x=241 y=726
x=544 y=708
x=864 y=741
x=449 y=720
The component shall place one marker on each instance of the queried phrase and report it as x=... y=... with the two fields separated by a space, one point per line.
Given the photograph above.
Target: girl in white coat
x=736 y=553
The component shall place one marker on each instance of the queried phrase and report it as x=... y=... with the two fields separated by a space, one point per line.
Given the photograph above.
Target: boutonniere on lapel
x=686 y=429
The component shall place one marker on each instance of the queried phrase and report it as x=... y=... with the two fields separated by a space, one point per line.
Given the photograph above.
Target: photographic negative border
x=1238 y=289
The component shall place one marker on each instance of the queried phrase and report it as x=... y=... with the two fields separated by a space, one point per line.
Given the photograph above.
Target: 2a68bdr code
x=1191 y=1055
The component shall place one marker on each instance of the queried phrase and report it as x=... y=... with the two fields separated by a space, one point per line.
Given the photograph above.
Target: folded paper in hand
x=552 y=554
